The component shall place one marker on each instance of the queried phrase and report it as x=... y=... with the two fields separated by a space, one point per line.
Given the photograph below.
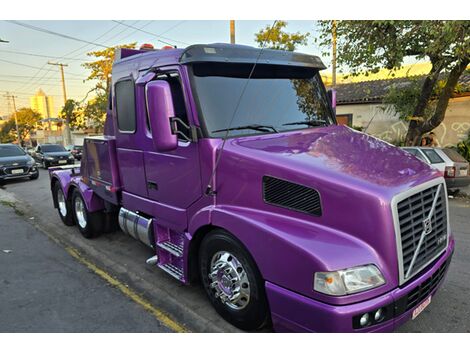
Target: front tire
x=89 y=224
x=232 y=281
x=64 y=207
x=45 y=165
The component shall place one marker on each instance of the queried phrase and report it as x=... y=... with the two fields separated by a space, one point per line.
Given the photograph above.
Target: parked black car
x=16 y=163
x=52 y=155
x=76 y=151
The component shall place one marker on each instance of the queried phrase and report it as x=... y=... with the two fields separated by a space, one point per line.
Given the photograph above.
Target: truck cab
x=228 y=162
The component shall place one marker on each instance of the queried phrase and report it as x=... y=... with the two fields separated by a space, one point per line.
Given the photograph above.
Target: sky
x=24 y=81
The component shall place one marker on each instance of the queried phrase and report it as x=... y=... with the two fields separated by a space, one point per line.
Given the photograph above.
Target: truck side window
x=125 y=105
x=178 y=100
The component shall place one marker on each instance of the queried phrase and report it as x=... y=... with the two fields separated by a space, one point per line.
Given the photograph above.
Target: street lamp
x=3 y=41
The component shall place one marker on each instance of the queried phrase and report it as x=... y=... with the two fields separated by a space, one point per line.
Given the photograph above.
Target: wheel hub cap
x=80 y=212
x=229 y=281
x=61 y=202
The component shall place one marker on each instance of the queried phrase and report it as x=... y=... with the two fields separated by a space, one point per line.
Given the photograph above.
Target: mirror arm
x=174 y=128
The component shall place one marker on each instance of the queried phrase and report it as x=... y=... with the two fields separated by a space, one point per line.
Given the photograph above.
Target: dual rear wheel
x=74 y=212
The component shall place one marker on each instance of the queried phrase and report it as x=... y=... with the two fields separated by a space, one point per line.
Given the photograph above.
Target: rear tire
x=64 y=207
x=89 y=224
x=226 y=268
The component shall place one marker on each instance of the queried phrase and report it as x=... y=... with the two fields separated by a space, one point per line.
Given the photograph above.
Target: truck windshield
x=280 y=98
x=10 y=150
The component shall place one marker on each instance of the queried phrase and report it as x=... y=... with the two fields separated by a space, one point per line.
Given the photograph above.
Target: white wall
x=385 y=124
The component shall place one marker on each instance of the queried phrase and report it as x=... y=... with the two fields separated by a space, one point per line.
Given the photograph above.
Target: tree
x=73 y=112
x=277 y=38
x=367 y=46
x=101 y=69
x=28 y=121
x=95 y=110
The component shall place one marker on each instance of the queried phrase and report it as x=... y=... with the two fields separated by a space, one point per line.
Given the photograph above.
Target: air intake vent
x=291 y=196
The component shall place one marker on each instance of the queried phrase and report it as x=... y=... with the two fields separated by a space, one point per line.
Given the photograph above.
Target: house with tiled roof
x=360 y=105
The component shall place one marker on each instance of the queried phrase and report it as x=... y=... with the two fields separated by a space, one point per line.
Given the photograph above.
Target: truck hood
x=341 y=153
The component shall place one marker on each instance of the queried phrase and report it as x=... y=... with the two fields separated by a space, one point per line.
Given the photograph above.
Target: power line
x=35 y=67
x=29 y=77
x=39 y=55
x=47 y=31
x=153 y=34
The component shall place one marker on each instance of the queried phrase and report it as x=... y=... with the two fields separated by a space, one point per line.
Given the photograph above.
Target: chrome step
x=172 y=248
x=171 y=269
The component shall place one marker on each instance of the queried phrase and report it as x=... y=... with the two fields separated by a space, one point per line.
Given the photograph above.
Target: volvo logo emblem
x=427 y=226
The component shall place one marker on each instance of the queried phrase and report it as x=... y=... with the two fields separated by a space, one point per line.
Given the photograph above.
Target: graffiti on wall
x=447 y=133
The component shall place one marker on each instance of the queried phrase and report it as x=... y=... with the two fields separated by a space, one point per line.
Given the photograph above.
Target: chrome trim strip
x=396 y=223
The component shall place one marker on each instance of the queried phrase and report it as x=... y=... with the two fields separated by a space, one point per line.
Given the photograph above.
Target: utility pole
x=8 y=96
x=67 y=134
x=232 y=31
x=333 y=54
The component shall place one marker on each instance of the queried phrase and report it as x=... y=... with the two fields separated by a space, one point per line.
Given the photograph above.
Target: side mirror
x=332 y=98
x=160 y=110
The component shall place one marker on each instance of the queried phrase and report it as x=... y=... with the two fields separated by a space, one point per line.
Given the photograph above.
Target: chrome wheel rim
x=61 y=202
x=80 y=212
x=228 y=280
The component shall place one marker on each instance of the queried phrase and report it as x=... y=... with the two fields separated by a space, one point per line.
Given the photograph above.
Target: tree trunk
x=413 y=136
x=417 y=128
x=445 y=96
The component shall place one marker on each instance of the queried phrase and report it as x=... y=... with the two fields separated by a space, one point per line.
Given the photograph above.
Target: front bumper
x=28 y=172
x=291 y=311
x=458 y=182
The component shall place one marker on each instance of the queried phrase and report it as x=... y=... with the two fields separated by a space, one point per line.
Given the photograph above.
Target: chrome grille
x=422 y=221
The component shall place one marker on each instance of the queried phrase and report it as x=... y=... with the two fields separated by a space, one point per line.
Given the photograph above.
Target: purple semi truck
x=228 y=162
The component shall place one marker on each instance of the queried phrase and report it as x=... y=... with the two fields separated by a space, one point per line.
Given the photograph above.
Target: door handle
x=152 y=185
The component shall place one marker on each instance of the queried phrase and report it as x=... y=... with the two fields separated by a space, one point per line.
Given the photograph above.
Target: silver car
x=453 y=165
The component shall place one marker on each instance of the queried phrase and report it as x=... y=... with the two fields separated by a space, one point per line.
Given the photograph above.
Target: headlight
x=49 y=158
x=30 y=163
x=348 y=281
x=71 y=157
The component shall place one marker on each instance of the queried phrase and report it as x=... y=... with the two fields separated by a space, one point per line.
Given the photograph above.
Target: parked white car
x=453 y=165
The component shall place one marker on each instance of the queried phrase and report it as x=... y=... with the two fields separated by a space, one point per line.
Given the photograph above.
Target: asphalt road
x=44 y=289
x=124 y=258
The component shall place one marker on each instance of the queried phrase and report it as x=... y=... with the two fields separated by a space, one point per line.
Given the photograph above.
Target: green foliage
x=402 y=100
x=368 y=46
x=28 y=121
x=73 y=111
x=277 y=38
x=463 y=148
x=95 y=111
x=101 y=69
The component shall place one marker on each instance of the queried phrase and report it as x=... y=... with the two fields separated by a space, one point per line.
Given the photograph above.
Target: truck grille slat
x=412 y=213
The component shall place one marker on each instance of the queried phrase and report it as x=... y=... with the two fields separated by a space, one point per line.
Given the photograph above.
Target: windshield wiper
x=256 y=127
x=309 y=122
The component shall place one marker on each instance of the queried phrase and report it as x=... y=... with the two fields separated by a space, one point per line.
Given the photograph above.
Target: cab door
x=174 y=178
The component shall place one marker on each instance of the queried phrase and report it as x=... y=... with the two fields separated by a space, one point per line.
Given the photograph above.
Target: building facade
x=43 y=104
